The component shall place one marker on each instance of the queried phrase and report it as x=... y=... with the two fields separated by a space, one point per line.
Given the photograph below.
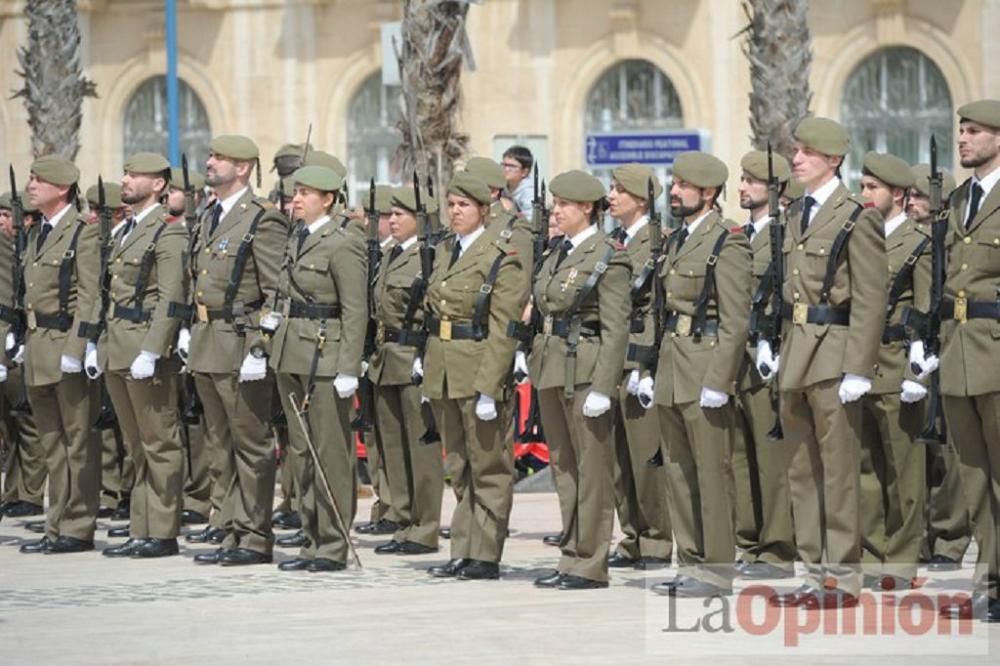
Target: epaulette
x=264 y=203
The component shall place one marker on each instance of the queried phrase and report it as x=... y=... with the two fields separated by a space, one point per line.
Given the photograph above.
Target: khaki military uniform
x=61 y=401
x=825 y=434
x=237 y=414
x=414 y=471
x=699 y=440
x=948 y=530
x=969 y=381
x=581 y=448
x=147 y=408
x=457 y=369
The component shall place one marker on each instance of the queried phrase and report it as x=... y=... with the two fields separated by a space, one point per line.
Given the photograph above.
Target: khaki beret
x=235 y=147
x=177 y=179
x=487 y=171
x=112 y=195
x=55 y=170
x=465 y=184
x=288 y=185
x=985 y=112
x=403 y=198
x=320 y=158
x=755 y=164
x=823 y=135
x=891 y=170
x=635 y=179
x=319 y=178
x=292 y=149
x=794 y=190
x=383 y=199
x=921 y=180
x=576 y=185
x=700 y=169
x=151 y=163
x=5 y=201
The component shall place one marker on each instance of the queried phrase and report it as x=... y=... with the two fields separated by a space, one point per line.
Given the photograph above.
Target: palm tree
x=54 y=85
x=778 y=45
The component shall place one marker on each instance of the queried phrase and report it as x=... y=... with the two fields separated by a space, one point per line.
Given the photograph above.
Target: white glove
x=90 y=365
x=520 y=367
x=10 y=342
x=712 y=399
x=645 y=392
x=3 y=373
x=144 y=365
x=632 y=385
x=364 y=368
x=925 y=365
x=417 y=372
x=183 y=344
x=767 y=362
x=596 y=404
x=424 y=399
x=253 y=369
x=270 y=322
x=853 y=387
x=18 y=357
x=345 y=385
x=912 y=391
x=70 y=365
x=486 y=408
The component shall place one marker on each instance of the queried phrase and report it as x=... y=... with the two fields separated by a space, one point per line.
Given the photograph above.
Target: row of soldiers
x=678 y=350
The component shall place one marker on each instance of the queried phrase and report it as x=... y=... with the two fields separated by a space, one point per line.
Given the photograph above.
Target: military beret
x=823 y=135
x=794 y=190
x=700 y=169
x=403 y=198
x=465 y=184
x=146 y=163
x=112 y=195
x=292 y=149
x=177 y=179
x=635 y=179
x=921 y=180
x=383 y=199
x=984 y=111
x=487 y=171
x=319 y=178
x=891 y=170
x=288 y=185
x=576 y=185
x=755 y=164
x=55 y=170
x=320 y=158
x=235 y=147
x=5 y=201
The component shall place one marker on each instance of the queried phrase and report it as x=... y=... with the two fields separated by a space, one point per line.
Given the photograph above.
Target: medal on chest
x=223 y=244
x=570 y=279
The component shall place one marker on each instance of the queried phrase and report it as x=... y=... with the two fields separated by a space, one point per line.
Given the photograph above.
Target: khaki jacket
x=760 y=246
x=6 y=284
x=638 y=252
x=812 y=353
x=392 y=363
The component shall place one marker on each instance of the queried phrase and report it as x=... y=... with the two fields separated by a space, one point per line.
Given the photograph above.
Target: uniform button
x=204 y=271
x=673 y=272
x=795 y=271
x=801 y=246
x=961 y=293
x=444 y=284
x=311 y=266
x=200 y=294
x=443 y=302
x=207 y=250
x=118 y=260
x=965 y=266
x=669 y=294
x=34 y=263
x=996 y=241
x=796 y=295
x=31 y=284
x=966 y=240
x=690 y=272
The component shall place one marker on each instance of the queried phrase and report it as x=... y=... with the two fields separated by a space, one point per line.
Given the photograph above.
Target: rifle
x=777 y=276
x=192 y=409
x=415 y=337
x=106 y=418
x=19 y=326
x=935 y=430
x=365 y=418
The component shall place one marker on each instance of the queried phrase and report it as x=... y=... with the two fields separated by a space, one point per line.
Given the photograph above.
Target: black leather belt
x=204 y=314
x=386 y=334
x=451 y=330
x=683 y=325
x=560 y=327
x=56 y=321
x=300 y=310
x=894 y=333
x=131 y=314
x=962 y=309
x=800 y=313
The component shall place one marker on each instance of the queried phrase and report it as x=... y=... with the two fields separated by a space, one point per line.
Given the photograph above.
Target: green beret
x=5 y=201
x=112 y=195
x=921 y=180
x=320 y=158
x=292 y=149
x=635 y=179
x=755 y=164
x=319 y=178
x=55 y=170
x=700 y=169
x=891 y=170
x=383 y=199
x=465 y=184
x=403 y=198
x=487 y=171
x=288 y=185
x=177 y=179
x=985 y=112
x=823 y=135
x=577 y=185
x=234 y=147
x=152 y=163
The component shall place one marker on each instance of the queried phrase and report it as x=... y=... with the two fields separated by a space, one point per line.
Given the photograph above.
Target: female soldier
x=319 y=329
x=479 y=285
x=577 y=360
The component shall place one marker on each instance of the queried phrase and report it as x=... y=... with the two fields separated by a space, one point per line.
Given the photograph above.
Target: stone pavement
x=87 y=609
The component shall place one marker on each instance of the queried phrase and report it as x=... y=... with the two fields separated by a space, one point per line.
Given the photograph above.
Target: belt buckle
x=202 y=310
x=547 y=325
x=683 y=326
x=962 y=309
x=32 y=321
x=379 y=334
x=800 y=313
x=444 y=330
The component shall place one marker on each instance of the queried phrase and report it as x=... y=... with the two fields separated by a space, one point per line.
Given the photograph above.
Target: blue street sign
x=608 y=149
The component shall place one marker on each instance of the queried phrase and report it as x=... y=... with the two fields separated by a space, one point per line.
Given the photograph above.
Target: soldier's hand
x=417 y=371
x=520 y=367
x=144 y=365
x=183 y=343
x=645 y=392
x=3 y=373
x=632 y=385
x=270 y=322
x=852 y=387
x=18 y=356
x=253 y=368
x=921 y=364
x=345 y=385
x=767 y=362
x=90 y=364
x=486 y=408
x=911 y=391
x=70 y=365
x=712 y=399
x=10 y=342
x=596 y=404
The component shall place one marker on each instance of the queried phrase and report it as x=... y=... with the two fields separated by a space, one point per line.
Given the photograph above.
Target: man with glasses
x=517 y=163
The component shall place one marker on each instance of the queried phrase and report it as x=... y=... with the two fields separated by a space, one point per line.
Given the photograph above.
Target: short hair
x=522 y=155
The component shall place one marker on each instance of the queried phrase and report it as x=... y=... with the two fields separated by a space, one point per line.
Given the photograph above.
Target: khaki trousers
x=24 y=479
x=949 y=531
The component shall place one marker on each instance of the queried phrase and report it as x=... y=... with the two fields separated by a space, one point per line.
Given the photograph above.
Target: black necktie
x=748 y=231
x=456 y=252
x=974 y=201
x=303 y=235
x=619 y=234
x=807 y=206
x=394 y=254
x=564 y=248
x=42 y=235
x=216 y=216
x=127 y=229
x=682 y=236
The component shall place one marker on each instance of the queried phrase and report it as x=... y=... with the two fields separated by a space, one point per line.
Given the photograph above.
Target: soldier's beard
x=752 y=204
x=681 y=211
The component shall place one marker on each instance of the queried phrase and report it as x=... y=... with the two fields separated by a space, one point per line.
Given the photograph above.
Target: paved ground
x=87 y=609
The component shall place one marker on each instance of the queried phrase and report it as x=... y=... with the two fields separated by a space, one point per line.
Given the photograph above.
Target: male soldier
x=970 y=326
x=136 y=351
x=763 y=510
x=61 y=268
x=892 y=464
x=235 y=260
x=834 y=313
x=639 y=475
x=946 y=519
x=706 y=278
x=176 y=204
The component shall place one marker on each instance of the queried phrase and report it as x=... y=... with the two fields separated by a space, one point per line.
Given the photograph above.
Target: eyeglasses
x=509 y=165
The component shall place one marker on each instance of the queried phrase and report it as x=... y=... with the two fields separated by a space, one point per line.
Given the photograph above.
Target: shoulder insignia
x=736 y=229
x=266 y=204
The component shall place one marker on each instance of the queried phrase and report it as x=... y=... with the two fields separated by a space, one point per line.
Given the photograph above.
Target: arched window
x=372 y=136
x=893 y=101
x=145 y=127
